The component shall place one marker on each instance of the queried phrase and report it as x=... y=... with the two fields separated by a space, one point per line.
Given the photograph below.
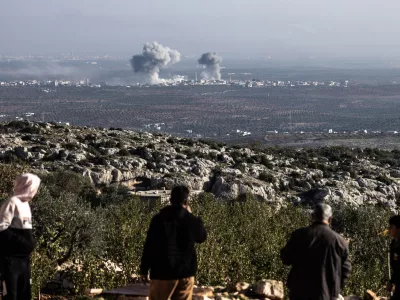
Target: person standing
x=16 y=238
x=319 y=258
x=394 y=283
x=169 y=251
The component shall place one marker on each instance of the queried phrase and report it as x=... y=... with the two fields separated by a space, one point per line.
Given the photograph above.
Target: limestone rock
x=203 y=292
x=271 y=289
x=22 y=153
x=242 y=286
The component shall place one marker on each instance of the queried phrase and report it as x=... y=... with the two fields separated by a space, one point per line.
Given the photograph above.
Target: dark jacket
x=395 y=262
x=319 y=260
x=169 y=251
x=16 y=242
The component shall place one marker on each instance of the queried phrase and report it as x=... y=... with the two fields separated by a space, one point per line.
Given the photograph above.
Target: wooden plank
x=130 y=290
x=142 y=290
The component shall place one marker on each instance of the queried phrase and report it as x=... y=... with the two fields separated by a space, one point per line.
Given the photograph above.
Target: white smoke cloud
x=154 y=56
x=212 y=63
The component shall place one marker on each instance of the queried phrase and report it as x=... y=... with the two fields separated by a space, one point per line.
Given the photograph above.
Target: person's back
x=319 y=260
x=169 y=252
x=17 y=239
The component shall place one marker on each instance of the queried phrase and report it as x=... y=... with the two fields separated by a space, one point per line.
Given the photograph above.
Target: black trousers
x=17 y=277
x=396 y=293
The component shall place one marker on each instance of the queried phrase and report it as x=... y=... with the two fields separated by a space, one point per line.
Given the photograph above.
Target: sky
x=245 y=28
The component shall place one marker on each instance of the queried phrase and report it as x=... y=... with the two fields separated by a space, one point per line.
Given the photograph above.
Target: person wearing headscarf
x=16 y=239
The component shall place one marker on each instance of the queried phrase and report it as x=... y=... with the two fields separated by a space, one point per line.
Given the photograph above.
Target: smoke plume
x=154 y=57
x=211 y=62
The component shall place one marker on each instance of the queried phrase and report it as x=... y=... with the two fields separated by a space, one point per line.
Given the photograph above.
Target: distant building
x=154 y=197
x=157 y=197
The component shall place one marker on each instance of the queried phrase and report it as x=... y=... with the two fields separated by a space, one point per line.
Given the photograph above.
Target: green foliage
x=31 y=130
x=66 y=227
x=125 y=235
x=386 y=180
x=124 y=152
x=8 y=173
x=364 y=227
x=42 y=269
x=244 y=237
x=266 y=162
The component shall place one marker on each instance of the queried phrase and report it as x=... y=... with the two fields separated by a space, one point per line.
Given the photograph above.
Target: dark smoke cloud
x=212 y=62
x=154 y=57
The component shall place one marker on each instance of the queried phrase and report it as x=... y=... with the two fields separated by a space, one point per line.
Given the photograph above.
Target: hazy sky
x=328 y=28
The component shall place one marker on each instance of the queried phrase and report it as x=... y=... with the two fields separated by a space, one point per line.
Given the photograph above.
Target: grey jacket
x=319 y=260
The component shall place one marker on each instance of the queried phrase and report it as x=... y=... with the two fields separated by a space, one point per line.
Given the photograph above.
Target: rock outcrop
x=108 y=156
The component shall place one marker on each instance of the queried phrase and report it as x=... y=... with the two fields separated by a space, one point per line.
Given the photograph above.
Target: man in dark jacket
x=169 y=252
x=394 y=231
x=319 y=259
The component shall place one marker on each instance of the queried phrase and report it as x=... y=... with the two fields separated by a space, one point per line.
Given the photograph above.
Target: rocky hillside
x=353 y=176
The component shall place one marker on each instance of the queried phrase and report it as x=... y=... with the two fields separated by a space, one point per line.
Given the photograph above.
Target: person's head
x=26 y=186
x=322 y=213
x=179 y=195
x=394 y=226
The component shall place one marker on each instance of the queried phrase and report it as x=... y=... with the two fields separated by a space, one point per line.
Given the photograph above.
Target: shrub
x=363 y=227
x=267 y=177
x=124 y=152
x=244 y=237
x=31 y=130
x=8 y=173
x=65 y=226
x=171 y=140
x=386 y=180
x=266 y=162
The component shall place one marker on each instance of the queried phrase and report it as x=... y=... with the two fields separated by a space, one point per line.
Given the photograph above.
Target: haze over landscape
x=258 y=28
x=312 y=66
x=261 y=108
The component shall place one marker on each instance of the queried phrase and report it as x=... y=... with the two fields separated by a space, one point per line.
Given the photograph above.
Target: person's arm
x=288 y=252
x=346 y=265
x=148 y=249
x=394 y=264
x=7 y=212
x=200 y=233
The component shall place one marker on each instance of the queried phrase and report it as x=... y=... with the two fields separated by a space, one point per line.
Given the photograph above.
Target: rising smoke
x=211 y=62
x=154 y=57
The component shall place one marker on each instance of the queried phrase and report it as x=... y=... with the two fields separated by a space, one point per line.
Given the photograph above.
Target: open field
x=219 y=111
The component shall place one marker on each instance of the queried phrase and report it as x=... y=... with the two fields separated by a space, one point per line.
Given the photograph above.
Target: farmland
x=214 y=111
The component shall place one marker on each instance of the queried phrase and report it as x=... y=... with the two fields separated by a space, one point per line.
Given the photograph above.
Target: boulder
x=116 y=175
x=94 y=292
x=203 y=292
x=321 y=194
x=242 y=286
x=76 y=157
x=270 y=289
x=22 y=153
x=226 y=159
